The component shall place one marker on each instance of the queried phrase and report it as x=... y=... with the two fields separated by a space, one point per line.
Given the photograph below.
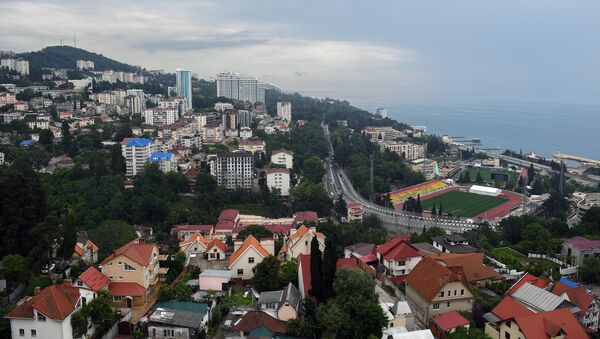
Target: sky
x=343 y=49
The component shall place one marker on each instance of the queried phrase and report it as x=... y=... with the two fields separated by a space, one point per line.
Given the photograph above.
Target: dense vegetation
x=66 y=57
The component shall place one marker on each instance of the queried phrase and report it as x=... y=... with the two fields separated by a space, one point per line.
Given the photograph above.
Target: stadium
x=461 y=201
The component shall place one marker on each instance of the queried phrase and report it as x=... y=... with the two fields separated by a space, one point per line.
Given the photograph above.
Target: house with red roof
x=444 y=324
x=133 y=271
x=215 y=250
x=584 y=299
x=304 y=277
x=578 y=248
x=247 y=255
x=184 y=232
x=433 y=288
x=305 y=216
x=90 y=282
x=195 y=245
x=398 y=257
x=472 y=266
x=299 y=242
x=85 y=249
x=47 y=314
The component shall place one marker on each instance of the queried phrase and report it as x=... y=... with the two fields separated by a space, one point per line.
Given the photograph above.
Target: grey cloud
x=190 y=45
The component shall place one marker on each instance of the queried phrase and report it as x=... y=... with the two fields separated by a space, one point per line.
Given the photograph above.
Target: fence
x=13 y=296
x=543 y=256
x=114 y=330
x=503 y=268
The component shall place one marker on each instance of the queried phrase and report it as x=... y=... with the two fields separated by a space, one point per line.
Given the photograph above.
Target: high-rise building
x=228 y=85
x=136 y=152
x=166 y=161
x=248 y=89
x=229 y=119
x=279 y=179
x=232 y=170
x=244 y=118
x=184 y=85
x=284 y=110
x=133 y=104
x=160 y=116
x=262 y=86
x=140 y=94
x=382 y=112
x=84 y=64
x=17 y=65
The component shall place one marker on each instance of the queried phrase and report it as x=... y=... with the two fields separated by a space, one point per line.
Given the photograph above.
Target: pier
x=559 y=155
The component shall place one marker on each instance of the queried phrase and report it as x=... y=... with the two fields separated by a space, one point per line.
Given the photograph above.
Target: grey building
x=232 y=170
x=576 y=249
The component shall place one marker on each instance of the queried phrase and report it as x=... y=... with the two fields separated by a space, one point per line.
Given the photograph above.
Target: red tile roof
x=249 y=242
x=303 y=216
x=397 y=249
x=449 y=320
x=55 y=302
x=140 y=252
x=471 y=264
x=126 y=289
x=549 y=324
x=229 y=214
x=225 y=225
x=216 y=242
x=429 y=277
x=94 y=279
x=255 y=319
x=352 y=262
x=528 y=278
x=199 y=228
x=92 y=246
x=578 y=296
x=508 y=308
x=583 y=243
x=306 y=277
x=78 y=251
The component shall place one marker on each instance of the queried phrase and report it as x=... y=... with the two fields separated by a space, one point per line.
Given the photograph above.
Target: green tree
x=329 y=268
x=110 y=235
x=313 y=169
x=467 y=177
x=479 y=178
x=69 y=234
x=16 y=268
x=267 y=275
x=255 y=230
x=308 y=196
x=46 y=137
x=433 y=210
x=530 y=173
x=589 y=270
x=289 y=272
x=471 y=333
x=316 y=270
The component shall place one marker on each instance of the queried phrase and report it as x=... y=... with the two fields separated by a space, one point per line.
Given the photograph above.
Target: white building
x=381 y=112
x=223 y=106
x=166 y=161
x=428 y=167
x=1 y=158
x=245 y=133
x=134 y=106
x=238 y=86
x=279 y=178
x=248 y=88
x=136 y=152
x=158 y=116
x=47 y=314
x=7 y=98
x=284 y=110
x=252 y=146
x=247 y=255
x=298 y=242
x=484 y=190
x=140 y=94
x=244 y=118
x=406 y=150
x=232 y=170
x=212 y=133
x=17 y=65
x=283 y=157
x=214 y=280
x=84 y=64
x=107 y=98
x=179 y=103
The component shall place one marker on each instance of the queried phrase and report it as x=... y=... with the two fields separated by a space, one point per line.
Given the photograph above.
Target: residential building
x=228 y=85
x=471 y=266
x=214 y=280
x=261 y=92
x=588 y=201
x=279 y=179
x=381 y=112
x=39 y=124
x=305 y=216
x=47 y=314
x=107 y=98
x=21 y=105
x=136 y=152
x=429 y=168
x=222 y=106
x=133 y=271
x=355 y=211
x=212 y=133
x=232 y=170
x=90 y=282
x=588 y=304
x=304 y=277
x=166 y=161
x=432 y=288
x=7 y=98
x=185 y=232
x=178 y=320
x=140 y=94
x=158 y=116
x=244 y=118
x=12 y=116
x=283 y=157
x=229 y=120
x=18 y=65
x=284 y=110
x=398 y=258
x=247 y=255
x=84 y=64
x=254 y=324
x=184 y=85
x=1 y=158
x=196 y=244
x=245 y=133
x=299 y=242
x=452 y=243
x=248 y=90
x=283 y=304
x=444 y=324
x=215 y=250
x=576 y=249
x=360 y=250
x=406 y=150
x=133 y=104
x=252 y=146
x=85 y=249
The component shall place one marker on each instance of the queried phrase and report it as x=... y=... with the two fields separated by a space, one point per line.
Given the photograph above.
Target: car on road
x=48 y=268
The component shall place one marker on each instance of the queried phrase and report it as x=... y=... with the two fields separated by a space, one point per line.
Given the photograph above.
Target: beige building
x=247 y=255
x=283 y=157
x=427 y=167
x=252 y=146
x=406 y=150
x=298 y=242
x=432 y=288
x=279 y=179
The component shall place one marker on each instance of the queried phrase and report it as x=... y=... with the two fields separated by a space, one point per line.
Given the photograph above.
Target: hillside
x=66 y=56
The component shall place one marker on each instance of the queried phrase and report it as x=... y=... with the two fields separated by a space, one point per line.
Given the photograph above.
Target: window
x=448 y=304
x=436 y=306
x=240 y=271
x=251 y=260
x=79 y=283
x=455 y=292
x=41 y=317
x=442 y=294
x=117 y=298
x=128 y=268
x=21 y=332
x=506 y=335
x=462 y=291
x=33 y=333
x=84 y=301
x=120 y=262
x=508 y=323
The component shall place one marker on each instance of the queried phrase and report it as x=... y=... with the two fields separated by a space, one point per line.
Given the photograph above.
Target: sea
x=570 y=126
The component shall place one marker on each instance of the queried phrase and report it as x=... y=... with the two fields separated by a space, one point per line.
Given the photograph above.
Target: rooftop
x=94 y=279
x=55 y=302
x=583 y=243
x=160 y=156
x=450 y=320
x=136 y=142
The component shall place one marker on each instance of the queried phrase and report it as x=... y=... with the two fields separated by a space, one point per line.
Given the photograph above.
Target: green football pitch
x=463 y=204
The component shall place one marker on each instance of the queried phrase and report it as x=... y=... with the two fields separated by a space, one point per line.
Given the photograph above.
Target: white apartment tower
x=284 y=110
x=279 y=178
x=239 y=87
x=232 y=170
x=136 y=152
x=17 y=65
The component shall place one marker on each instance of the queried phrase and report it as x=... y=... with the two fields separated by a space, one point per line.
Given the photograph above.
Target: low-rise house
x=298 y=242
x=247 y=255
x=252 y=146
x=215 y=250
x=47 y=314
x=214 y=280
x=184 y=232
x=576 y=249
x=360 y=251
x=444 y=324
x=195 y=245
x=305 y=216
x=471 y=264
x=559 y=323
x=258 y=324
x=432 y=288
x=90 y=282
x=452 y=243
x=398 y=258
x=168 y=323
x=85 y=249
x=283 y=304
x=583 y=298
x=355 y=211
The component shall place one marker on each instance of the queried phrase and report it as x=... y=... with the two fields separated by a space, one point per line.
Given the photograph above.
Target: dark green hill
x=66 y=56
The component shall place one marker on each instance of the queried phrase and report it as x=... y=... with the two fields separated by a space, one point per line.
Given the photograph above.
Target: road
x=337 y=182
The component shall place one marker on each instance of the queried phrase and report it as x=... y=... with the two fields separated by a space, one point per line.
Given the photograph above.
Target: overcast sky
x=344 y=49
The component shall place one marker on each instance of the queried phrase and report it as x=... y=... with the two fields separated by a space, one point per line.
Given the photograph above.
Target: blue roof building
x=26 y=143
x=161 y=156
x=136 y=142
